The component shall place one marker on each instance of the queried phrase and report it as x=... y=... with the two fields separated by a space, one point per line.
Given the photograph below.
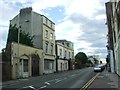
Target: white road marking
x=32 y=87
x=47 y=83
x=28 y=87
x=55 y=80
x=73 y=75
x=51 y=80
x=43 y=87
x=58 y=81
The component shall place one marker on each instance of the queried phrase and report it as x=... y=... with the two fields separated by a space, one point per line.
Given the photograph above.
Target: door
x=23 y=68
x=35 y=65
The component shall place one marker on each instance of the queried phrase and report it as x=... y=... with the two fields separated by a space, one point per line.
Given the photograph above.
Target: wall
x=62 y=65
x=63 y=62
x=48 y=56
x=37 y=29
x=23 y=50
x=64 y=48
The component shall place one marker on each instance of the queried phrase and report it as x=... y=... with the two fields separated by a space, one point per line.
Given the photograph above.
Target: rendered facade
x=29 y=63
x=64 y=54
x=113 y=23
x=43 y=30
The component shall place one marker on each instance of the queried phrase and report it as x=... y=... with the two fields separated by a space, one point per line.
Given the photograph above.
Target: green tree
x=81 y=58
x=24 y=38
x=96 y=61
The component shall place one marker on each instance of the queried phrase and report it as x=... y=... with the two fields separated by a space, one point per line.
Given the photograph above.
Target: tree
x=81 y=58
x=24 y=38
x=96 y=61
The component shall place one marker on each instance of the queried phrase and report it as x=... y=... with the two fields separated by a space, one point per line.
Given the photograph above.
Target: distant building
x=64 y=55
x=113 y=23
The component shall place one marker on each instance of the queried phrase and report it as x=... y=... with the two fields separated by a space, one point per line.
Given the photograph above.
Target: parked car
x=99 y=68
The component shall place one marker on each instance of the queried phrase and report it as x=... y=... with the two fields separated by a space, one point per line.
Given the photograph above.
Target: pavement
x=105 y=80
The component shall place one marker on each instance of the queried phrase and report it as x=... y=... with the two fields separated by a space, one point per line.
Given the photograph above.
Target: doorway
x=35 y=65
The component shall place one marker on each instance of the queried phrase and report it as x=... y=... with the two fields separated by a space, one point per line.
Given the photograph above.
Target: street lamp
x=18 y=49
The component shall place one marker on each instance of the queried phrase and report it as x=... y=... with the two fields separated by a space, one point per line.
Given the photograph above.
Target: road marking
x=23 y=79
x=61 y=79
x=32 y=87
x=89 y=82
x=52 y=80
x=27 y=87
x=58 y=81
x=47 y=83
x=73 y=75
x=43 y=87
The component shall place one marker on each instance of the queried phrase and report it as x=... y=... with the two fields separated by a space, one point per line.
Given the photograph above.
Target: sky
x=79 y=21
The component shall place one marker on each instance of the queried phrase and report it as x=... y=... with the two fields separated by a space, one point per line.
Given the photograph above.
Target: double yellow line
x=89 y=82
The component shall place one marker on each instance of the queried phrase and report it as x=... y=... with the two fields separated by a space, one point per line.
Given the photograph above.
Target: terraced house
x=64 y=55
x=113 y=23
x=36 y=60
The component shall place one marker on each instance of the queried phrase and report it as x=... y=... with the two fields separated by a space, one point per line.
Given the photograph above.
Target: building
x=30 y=62
x=43 y=30
x=113 y=23
x=22 y=61
x=1 y=66
x=64 y=55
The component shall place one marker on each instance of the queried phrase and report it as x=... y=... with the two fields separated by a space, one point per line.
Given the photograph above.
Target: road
x=68 y=79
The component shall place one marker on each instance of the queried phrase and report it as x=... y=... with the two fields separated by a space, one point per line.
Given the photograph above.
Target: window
x=46 y=21
x=69 y=54
x=48 y=65
x=51 y=36
x=66 y=65
x=46 y=50
x=61 y=65
x=52 y=25
x=61 y=53
x=68 y=45
x=65 y=53
x=72 y=55
x=46 y=34
x=25 y=65
x=51 y=48
x=114 y=36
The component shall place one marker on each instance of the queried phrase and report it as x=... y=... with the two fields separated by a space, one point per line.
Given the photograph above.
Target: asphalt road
x=68 y=79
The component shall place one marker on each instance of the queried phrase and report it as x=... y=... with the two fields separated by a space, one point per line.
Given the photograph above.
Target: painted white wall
x=111 y=61
x=62 y=65
x=63 y=48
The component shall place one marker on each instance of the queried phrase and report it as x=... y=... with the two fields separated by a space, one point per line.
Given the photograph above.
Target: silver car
x=98 y=68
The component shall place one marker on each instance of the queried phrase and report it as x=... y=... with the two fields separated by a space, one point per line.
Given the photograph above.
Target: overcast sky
x=79 y=21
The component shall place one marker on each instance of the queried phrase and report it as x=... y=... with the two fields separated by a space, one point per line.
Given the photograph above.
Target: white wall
x=62 y=65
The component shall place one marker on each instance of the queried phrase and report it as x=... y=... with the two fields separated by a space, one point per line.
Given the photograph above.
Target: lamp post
x=19 y=72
